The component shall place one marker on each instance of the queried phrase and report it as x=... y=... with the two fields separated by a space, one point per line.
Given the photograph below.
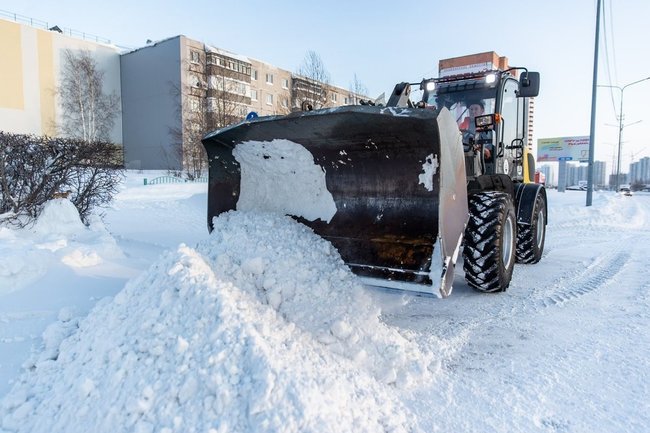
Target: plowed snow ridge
x=260 y=328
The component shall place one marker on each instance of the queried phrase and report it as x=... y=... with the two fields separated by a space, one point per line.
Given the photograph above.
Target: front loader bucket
x=386 y=186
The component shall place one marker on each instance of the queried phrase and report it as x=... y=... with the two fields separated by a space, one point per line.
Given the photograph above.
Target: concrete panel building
x=600 y=174
x=150 y=101
x=176 y=88
x=172 y=91
x=270 y=89
x=640 y=171
x=31 y=73
x=472 y=63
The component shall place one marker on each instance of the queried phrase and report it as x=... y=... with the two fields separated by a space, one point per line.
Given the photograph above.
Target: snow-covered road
x=565 y=349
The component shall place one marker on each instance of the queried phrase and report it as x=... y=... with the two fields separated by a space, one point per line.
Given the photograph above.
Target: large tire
x=531 y=237
x=489 y=253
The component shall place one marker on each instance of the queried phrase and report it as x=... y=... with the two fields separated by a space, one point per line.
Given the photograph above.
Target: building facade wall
x=270 y=89
x=228 y=88
x=600 y=173
x=31 y=73
x=155 y=84
x=150 y=105
x=640 y=171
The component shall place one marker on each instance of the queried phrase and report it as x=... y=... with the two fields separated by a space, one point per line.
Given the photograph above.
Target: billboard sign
x=563 y=149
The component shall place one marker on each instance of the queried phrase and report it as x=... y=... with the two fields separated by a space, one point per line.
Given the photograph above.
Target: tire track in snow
x=569 y=286
x=591 y=279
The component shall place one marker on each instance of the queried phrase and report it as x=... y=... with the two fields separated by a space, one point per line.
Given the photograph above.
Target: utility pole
x=621 y=126
x=592 y=129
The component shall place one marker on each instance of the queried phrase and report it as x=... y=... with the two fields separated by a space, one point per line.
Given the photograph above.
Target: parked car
x=625 y=191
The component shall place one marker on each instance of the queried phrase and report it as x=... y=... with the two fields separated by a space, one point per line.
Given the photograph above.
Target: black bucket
x=380 y=166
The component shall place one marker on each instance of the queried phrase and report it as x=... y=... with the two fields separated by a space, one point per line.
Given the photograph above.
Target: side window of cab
x=509 y=112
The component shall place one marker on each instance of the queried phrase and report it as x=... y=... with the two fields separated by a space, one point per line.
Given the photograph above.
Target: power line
x=611 y=33
x=607 y=62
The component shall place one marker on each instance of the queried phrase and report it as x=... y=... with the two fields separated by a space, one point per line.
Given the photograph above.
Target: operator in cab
x=474 y=109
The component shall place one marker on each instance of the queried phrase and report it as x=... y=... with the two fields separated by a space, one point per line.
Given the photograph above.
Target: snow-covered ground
x=145 y=323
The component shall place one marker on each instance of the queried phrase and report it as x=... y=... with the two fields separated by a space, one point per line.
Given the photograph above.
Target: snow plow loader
x=400 y=190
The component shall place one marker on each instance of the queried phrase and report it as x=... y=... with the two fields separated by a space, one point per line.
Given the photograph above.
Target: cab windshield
x=465 y=100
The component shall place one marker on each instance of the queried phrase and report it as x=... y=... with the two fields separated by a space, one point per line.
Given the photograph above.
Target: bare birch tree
x=310 y=86
x=88 y=113
x=358 y=90
x=186 y=137
x=204 y=106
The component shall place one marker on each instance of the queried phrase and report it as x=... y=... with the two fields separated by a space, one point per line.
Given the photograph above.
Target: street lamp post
x=621 y=126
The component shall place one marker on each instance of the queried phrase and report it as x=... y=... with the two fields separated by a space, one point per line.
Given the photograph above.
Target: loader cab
x=502 y=125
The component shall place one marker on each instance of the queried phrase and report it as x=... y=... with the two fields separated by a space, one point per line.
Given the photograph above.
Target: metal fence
x=22 y=19
x=172 y=179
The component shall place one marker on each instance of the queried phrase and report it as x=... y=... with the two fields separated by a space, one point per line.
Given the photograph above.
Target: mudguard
x=525 y=196
x=385 y=185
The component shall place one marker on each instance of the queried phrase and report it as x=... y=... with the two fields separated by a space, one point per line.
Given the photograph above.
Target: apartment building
x=33 y=54
x=172 y=91
x=270 y=89
x=600 y=174
x=640 y=171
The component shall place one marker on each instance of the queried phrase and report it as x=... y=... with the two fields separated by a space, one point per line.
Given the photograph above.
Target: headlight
x=431 y=85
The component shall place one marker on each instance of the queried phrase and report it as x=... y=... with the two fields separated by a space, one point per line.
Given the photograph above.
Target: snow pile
x=281 y=176
x=303 y=277
x=260 y=328
x=59 y=218
x=57 y=236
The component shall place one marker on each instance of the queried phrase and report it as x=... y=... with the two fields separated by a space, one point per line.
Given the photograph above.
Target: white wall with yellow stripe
x=30 y=65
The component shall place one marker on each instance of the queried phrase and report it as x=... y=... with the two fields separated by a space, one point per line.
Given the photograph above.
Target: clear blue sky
x=387 y=42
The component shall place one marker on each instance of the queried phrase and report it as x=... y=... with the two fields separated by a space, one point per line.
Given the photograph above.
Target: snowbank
x=57 y=236
x=260 y=328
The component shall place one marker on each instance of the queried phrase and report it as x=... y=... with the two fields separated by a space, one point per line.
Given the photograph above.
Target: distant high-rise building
x=472 y=63
x=640 y=171
x=549 y=174
x=600 y=174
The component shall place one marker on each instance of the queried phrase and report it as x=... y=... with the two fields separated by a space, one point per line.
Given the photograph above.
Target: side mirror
x=529 y=84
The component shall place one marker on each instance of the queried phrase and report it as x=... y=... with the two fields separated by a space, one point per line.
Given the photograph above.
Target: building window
x=334 y=96
x=212 y=104
x=254 y=74
x=229 y=63
x=346 y=101
x=194 y=105
x=195 y=57
x=285 y=83
x=254 y=95
x=269 y=99
x=285 y=102
x=195 y=81
x=269 y=78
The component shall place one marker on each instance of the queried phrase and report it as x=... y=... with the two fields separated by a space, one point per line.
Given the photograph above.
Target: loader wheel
x=489 y=253
x=530 y=238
